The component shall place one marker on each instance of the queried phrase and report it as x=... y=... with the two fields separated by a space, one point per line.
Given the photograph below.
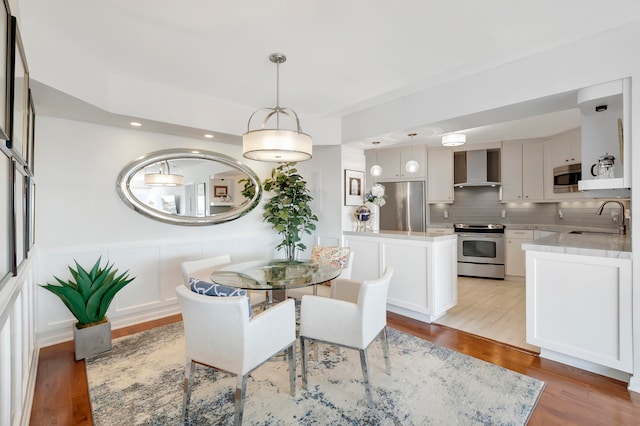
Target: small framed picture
x=220 y=190
x=353 y=188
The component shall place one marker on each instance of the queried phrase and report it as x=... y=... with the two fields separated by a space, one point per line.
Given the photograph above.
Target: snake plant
x=89 y=294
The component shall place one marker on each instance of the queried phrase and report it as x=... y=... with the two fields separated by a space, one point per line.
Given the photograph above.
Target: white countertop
x=405 y=235
x=600 y=245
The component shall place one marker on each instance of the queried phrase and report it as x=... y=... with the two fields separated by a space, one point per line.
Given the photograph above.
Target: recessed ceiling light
x=135 y=124
x=208 y=136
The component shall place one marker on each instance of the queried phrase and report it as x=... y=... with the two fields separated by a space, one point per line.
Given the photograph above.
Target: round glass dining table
x=275 y=276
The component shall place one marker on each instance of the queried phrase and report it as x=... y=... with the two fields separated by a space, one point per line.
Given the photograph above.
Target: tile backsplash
x=482 y=205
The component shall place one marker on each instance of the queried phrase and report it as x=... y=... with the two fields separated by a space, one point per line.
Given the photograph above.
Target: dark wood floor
x=571 y=396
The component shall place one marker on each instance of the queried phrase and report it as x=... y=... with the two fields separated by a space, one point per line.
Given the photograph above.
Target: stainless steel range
x=480 y=250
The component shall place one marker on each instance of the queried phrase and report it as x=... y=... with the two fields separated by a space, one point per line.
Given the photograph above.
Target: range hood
x=480 y=167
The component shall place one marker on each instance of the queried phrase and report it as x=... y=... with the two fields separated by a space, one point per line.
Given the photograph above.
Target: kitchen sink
x=593 y=233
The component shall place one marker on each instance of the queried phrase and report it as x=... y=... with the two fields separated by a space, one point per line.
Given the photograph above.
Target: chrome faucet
x=622 y=228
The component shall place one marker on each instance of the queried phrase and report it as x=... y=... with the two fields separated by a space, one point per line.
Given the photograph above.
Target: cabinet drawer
x=520 y=234
x=441 y=231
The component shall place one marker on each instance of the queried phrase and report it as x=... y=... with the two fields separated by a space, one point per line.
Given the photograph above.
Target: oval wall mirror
x=189 y=187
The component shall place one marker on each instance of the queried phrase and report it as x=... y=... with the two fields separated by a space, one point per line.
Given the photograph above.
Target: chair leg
x=385 y=349
x=303 y=353
x=241 y=387
x=291 y=354
x=186 y=397
x=365 y=375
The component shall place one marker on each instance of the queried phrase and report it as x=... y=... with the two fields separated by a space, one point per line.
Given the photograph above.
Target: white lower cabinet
x=580 y=306
x=424 y=283
x=514 y=255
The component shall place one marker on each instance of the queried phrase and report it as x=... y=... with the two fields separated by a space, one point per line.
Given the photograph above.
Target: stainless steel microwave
x=565 y=178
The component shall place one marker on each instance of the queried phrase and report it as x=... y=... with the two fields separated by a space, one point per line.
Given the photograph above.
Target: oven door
x=481 y=248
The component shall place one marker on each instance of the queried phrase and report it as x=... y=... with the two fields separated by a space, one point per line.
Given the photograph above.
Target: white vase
x=374 y=221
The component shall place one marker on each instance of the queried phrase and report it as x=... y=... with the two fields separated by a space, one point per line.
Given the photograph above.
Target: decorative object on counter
x=88 y=296
x=353 y=187
x=276 y=144
x=604 y=167
x=375 y=199
x=288 y=211
x=363 y=215
x=454 y=139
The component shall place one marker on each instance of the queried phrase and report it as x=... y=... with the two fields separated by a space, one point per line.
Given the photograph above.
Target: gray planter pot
x=92 y=340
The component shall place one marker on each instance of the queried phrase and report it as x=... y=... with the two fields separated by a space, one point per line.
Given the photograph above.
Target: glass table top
x=275 y=274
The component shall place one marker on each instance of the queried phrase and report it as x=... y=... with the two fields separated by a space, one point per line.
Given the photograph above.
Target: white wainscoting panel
x=156 y=266
x=18 y=355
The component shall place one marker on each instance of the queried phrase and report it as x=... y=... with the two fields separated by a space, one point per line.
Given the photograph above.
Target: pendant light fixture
x=275 y=144
x=161 y=175
x=454 y=139
x=412 y=166
x=376 y=169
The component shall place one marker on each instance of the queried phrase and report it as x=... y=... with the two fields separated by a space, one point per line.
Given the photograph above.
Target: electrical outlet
x=446 y=214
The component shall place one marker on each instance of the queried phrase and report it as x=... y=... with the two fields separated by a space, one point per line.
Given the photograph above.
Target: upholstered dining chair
x=202 y=269
x=351 y=324
x=341 y=256
x=219 y=333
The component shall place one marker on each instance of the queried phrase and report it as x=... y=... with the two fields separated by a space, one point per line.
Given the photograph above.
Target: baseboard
x=65 y=334
x=410 y=314
x=634 y=384
x=586 y=365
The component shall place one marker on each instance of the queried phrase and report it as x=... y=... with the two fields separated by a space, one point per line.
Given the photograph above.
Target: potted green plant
x=288 y=211
x=88 y=296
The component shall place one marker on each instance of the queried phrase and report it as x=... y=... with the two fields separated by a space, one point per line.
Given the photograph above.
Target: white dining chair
x=219 y=334
x=351 y=324
x=202 y=269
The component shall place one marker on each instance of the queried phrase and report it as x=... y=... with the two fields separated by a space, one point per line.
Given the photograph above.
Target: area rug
x=139 y=382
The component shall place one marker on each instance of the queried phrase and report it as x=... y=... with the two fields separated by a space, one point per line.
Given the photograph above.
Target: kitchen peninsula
x=579 y=304
x=424 y=284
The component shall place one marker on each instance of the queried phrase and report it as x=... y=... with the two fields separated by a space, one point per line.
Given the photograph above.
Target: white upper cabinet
x=566 y=150
x=606 y=130
x=522 y=171
x=394 y=163
x=389 y=160
x=440 y=175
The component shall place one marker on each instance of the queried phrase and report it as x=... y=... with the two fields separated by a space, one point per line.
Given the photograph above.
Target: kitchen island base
x=425 y=281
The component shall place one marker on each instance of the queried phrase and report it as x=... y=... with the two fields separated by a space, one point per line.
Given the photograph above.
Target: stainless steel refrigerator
x=405 y=207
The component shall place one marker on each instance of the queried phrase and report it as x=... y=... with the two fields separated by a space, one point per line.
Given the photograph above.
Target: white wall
x=352 y=159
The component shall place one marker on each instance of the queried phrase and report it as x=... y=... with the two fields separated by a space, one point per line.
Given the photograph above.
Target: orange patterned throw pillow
x=338 y=256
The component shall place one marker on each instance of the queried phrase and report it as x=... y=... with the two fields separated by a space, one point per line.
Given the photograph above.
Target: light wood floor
x=571 y=396
x=494 y=309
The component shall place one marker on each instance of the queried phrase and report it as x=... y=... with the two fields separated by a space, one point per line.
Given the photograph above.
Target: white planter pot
x=92 y=340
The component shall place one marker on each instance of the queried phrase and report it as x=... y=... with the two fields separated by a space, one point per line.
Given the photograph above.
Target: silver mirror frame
x=123 y=186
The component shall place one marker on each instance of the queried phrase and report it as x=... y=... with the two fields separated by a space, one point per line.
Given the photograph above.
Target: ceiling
x=342 y=56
